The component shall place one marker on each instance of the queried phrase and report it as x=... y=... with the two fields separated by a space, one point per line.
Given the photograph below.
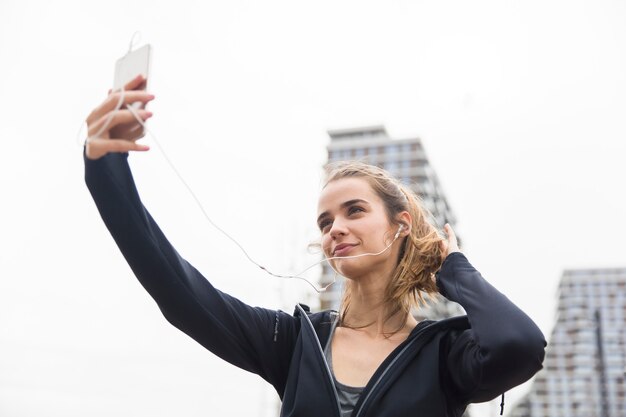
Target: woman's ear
x=404 y=223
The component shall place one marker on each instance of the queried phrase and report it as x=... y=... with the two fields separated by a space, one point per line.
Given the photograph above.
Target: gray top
x=348 y=396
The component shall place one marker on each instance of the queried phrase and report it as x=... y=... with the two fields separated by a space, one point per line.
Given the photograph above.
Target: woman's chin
x=348 y=269
x=355 y=269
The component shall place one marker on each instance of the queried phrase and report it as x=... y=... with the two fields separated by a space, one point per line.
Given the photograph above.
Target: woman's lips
x=342 y=250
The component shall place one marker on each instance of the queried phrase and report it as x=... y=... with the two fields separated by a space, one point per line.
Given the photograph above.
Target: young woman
x=372 y=358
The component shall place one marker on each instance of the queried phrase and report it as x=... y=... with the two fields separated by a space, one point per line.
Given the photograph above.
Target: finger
x=452 y=241
x=453 y=244
x=119 y=117
x=449 y=231
x=113 y=101
x=112 y=119
x=443 y=246
x=122 y=145
x=129 y=131
x=135 y=83
x=97 y=148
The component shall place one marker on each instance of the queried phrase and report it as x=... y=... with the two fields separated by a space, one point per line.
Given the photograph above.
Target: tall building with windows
x=407 y=161
x=585 y=366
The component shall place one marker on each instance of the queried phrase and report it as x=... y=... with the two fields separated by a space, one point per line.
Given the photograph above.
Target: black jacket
x=437 y=371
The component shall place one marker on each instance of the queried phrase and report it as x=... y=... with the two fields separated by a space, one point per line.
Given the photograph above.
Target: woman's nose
x=338 y=229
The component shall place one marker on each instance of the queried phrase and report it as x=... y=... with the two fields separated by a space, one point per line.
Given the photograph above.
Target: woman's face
x=353 y=221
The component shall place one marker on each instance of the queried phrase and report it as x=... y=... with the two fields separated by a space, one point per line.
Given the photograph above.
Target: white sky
x=520 y=106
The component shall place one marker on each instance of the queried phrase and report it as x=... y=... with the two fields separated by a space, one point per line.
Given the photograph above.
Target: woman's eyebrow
x=343 y=205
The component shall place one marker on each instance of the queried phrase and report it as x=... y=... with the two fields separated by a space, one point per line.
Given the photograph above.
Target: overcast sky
x=520 y=106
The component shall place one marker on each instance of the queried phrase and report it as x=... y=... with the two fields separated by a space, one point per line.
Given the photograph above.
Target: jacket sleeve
x=503 y=347
x=255 y=339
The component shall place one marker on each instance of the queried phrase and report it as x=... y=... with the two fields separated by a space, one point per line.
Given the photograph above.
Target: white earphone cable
x=207 y=217
x=105 y=125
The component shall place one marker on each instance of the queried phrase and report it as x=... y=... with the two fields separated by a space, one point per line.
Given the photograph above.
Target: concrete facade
x=585 y=367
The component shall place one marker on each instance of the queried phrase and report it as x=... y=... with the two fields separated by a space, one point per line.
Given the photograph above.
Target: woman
x=370 y=359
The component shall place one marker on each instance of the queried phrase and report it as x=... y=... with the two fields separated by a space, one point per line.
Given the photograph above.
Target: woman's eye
x=355 y=209
x=324 y=226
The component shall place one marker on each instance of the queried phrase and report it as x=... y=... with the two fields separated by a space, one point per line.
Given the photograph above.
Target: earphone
x=400 y=229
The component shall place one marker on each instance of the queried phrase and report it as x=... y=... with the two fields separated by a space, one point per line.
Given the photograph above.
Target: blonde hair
x=420 y=254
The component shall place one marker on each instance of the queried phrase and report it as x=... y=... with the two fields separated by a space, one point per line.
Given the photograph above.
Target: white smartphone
x=131 y=65
x=126 y=68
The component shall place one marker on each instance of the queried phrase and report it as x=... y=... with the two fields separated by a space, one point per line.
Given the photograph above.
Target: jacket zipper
x=380 y=378
x=321 y=351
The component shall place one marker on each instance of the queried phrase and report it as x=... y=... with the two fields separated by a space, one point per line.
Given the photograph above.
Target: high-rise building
x=407 y=161
x=585 y=366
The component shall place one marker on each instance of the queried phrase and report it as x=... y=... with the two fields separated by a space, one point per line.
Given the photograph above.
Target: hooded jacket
x=437 y=371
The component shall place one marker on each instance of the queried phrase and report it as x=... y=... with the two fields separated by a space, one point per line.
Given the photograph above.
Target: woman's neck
x=369 y=312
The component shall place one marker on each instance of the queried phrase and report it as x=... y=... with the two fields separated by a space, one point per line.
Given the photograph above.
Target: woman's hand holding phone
x=119 y=135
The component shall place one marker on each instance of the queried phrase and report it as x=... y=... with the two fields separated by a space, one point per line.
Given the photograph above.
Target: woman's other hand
x=449 y=245
x=108 y=137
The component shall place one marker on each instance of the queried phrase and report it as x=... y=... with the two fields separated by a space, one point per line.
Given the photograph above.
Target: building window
x=391 y=149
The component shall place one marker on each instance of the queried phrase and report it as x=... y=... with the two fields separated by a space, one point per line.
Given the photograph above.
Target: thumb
x=452 y=242
x=122 y=145
x=96 y=148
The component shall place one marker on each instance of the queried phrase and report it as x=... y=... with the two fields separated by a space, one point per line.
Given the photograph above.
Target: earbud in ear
x=400 y=228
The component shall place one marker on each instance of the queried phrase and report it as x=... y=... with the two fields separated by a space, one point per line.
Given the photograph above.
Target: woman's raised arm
x=255 y=339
